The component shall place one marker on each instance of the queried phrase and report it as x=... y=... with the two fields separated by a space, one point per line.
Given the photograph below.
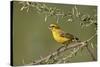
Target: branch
x=77 y=49
x=54 y=54
x=69 y=56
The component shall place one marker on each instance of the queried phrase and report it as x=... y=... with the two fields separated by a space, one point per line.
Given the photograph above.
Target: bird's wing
x=67 y=35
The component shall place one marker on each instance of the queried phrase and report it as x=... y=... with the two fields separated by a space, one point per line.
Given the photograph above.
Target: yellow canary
x=60 y=36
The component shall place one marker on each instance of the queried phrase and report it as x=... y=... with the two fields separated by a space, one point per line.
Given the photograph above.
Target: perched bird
x=60 y=36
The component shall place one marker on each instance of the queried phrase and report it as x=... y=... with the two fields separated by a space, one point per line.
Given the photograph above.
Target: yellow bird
x=60 y=36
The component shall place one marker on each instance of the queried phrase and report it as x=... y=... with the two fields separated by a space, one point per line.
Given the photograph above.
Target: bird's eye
x=53 y=26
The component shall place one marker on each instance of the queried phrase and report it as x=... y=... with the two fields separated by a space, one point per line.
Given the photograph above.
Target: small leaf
x=46 y=17
x=92 y=45
x=27 y=9
x=57 y=19
x=22 y=8
x=73 y=11
x=70 y=20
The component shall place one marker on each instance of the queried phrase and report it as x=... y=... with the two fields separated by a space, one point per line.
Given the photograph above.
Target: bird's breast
x=58 y=37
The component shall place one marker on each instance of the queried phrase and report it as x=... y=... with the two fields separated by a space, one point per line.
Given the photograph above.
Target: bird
x=60 y=36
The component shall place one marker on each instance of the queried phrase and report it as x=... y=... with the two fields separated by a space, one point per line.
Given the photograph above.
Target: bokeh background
x=32 y=38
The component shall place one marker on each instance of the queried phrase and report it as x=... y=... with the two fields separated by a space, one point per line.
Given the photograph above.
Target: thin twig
x=91 y=37
x=90 y=52
x=68 y=56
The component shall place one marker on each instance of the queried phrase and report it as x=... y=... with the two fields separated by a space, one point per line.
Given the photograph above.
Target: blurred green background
x=32 y=38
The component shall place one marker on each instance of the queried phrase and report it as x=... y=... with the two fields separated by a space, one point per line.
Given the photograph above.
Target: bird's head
x=53 y=26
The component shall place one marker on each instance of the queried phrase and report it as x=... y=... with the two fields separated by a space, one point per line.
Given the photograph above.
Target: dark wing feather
x=67 y=35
